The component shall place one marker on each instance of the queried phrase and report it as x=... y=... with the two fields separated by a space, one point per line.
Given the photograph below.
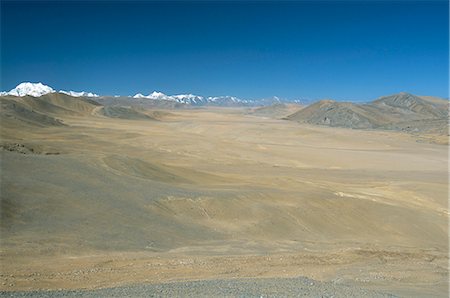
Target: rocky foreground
x=273 y=287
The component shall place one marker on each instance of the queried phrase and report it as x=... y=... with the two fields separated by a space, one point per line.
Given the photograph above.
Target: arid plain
x=219 y=193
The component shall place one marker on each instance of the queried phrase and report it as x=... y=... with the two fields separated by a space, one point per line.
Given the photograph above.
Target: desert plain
x=219 y=194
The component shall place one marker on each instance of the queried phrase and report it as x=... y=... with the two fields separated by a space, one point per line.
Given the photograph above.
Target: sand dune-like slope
x=216 y=193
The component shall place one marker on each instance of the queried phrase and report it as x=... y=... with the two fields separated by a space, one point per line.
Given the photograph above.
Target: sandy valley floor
x=221 y=194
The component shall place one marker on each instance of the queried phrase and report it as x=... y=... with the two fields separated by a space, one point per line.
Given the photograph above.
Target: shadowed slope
x=60 y=104
x=44 y=110
x=122 y=112
x=13 y=110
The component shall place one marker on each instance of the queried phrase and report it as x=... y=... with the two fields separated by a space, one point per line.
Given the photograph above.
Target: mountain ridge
x=39 y=89
x=402 y=111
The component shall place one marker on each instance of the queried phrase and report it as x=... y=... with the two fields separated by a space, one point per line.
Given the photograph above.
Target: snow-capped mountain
x=226 y=99
x=189 y=98
x=154 y=95
x=139 y=95
x=193 y=99
x=39 y=89
x=33 y=89
x=79 y=94
x=180 y=98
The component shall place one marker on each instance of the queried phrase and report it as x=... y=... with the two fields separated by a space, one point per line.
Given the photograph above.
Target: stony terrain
x=268 y=287
x=90 y=200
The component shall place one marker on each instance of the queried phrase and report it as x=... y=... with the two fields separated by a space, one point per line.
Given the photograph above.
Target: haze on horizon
x=341 y=50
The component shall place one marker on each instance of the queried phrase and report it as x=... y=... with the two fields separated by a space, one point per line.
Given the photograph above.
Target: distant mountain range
x=39 y=89
x=40 y=105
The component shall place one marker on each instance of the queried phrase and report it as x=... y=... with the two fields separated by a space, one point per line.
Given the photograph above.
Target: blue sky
x=346 y=50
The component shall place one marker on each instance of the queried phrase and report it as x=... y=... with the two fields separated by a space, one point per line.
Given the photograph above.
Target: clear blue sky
x=346 y=50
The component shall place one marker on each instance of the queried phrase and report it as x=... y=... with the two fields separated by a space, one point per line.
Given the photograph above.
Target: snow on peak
x=157 y=95
x=181 y=98
x=139 y=95
x=225 y=98
x=79 y=94
x=39 y=89
x=33 y=89
x=187 y=96
x=153 y=95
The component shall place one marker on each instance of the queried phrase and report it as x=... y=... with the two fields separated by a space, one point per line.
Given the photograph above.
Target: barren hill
x=409 y=107
x=59 y=104
x=15 y=110
x=333 y=113
x=44 y=110
x=401 y=111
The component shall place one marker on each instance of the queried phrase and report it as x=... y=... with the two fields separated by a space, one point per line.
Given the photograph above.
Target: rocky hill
x=401 y=111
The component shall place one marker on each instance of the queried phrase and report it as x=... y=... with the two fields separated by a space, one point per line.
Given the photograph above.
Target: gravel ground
x=273 y=287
